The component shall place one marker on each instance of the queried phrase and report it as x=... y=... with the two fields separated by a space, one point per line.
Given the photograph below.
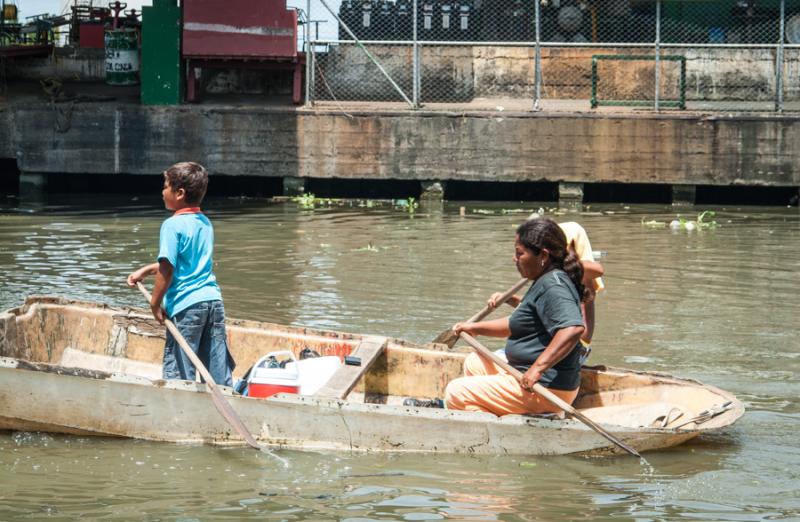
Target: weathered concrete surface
x=461 y=73
x=635 y=147
x=346 y=73
x=712 y=74
x=67 y=62
x=7 y=134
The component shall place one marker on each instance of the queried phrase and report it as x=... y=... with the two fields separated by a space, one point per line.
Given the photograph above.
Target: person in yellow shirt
x=578 y=242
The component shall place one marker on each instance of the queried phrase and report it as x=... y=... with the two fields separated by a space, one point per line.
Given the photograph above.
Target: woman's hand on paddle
x=494 y=301
x=530 y=378
x=463 y=327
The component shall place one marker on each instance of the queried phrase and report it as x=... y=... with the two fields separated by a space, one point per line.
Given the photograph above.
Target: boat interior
x=94 y=340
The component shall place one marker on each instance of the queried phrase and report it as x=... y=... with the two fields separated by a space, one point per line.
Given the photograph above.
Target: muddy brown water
x=717 y=305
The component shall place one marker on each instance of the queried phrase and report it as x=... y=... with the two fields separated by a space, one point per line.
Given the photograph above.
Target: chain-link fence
x=709 y=55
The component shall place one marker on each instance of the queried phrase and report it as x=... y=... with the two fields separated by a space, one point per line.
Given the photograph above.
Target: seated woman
x=577 y=241
x=543 y=332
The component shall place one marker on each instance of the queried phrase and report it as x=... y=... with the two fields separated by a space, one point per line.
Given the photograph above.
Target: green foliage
x=306 y=201
x=410 y=205
x=652 y=223
x=703 y=221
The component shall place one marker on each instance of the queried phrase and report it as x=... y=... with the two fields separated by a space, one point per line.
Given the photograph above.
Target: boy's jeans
x=203 y=327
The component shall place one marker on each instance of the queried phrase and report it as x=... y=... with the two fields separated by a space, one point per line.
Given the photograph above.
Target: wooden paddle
x=225 y=409
x=544 y=392
x=449 y=338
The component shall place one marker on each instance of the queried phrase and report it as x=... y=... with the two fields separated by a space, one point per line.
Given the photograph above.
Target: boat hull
x=88 y=369
x=58 y=400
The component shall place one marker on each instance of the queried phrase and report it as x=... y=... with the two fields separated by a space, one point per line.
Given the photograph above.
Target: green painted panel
x=161 y=73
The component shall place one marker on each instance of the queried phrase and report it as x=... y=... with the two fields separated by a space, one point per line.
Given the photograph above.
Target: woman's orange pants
x=487 y=387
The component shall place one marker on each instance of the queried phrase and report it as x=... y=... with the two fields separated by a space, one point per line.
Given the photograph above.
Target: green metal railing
x=679 y=103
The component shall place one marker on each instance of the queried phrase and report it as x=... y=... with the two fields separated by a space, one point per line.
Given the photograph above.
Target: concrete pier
x=570 y=194
x=294 y=186
x=376 y=144
x=33 y=188
x=684 y=195
x=432 y=190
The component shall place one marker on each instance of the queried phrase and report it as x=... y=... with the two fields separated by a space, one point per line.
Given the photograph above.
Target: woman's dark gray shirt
x=550 y=304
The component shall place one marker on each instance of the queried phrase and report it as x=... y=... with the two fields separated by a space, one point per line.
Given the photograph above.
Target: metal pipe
x=537 y=68
x=415 y=83
x=779 y=61
x=609 y=45
x=308 y=53
x=369 y=54
x=658 y=54
x=313 y=78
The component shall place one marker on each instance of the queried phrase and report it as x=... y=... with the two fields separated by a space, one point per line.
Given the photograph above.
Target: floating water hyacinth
x=409 y=205
x=652 y=223
x=306 y=201
x=703 y=222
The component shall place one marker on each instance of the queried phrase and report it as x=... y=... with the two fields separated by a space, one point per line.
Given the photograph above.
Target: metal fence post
x=415 y=82
x=308 y=53
x=313 y=77
x=658 y=55
x=537 y=67
x=779 y=61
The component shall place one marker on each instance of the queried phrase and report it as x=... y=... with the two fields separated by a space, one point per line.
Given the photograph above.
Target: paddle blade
x=446 y=337
x=227 y=412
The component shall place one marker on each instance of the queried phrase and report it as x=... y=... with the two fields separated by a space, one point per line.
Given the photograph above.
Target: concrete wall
x=7 y=143
x=640 y=148
x=68 y=63
x=461 y=73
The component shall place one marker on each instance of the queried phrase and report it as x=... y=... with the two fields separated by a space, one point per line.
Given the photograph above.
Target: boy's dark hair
x=191 y=177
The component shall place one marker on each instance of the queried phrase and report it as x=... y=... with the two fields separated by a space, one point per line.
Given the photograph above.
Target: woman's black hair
x=540 y=233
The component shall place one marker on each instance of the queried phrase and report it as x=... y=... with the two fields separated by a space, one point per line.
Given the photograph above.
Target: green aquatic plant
x=652 y=223
x=410 y=205
x=305 y=201
x=702 y=222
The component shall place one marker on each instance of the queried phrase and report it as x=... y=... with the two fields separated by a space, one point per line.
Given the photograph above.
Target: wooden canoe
x=90 y=369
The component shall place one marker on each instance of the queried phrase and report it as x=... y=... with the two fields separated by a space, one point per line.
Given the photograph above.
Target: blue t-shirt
x=552 y=303
x=187 y=242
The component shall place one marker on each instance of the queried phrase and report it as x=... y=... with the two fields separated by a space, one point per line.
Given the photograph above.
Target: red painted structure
x=251 y=34
x=92 y=35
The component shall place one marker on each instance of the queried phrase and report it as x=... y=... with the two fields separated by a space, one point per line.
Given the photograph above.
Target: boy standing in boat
x=185 y=281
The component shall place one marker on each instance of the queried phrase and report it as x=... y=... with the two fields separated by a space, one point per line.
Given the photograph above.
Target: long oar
x=222 y=405
x=449 y=338
x=544 y=392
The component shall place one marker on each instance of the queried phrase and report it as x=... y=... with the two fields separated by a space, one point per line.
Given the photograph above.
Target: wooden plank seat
x=346 y=377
